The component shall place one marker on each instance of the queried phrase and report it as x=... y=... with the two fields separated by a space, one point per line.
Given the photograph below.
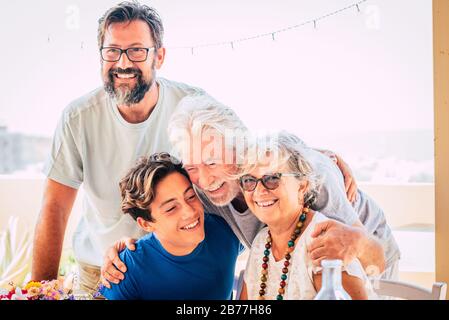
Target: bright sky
x=356 y=72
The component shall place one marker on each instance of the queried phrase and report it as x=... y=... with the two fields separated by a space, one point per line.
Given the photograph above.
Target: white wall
x=22 y=198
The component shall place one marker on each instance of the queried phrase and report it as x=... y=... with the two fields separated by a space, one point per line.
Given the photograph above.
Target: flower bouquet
x=43 y=290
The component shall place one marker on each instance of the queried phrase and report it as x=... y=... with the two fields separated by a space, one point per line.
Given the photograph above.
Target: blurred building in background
x=21 y=153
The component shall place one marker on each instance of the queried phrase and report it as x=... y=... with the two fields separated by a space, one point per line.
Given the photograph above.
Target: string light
x=262 y=35
x=273 y=33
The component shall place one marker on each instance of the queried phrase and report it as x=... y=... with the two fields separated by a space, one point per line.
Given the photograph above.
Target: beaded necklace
x=290 y=248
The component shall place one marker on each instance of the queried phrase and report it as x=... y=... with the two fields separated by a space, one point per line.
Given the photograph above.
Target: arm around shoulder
x=129 y=288
x=371 y=253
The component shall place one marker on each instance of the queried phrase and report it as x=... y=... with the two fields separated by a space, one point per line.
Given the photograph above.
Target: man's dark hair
x=129 y=11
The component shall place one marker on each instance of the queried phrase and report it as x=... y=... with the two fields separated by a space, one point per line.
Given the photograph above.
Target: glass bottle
x=331 y=286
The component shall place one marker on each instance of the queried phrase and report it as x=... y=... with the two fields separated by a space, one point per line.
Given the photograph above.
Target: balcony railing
x=410 y=211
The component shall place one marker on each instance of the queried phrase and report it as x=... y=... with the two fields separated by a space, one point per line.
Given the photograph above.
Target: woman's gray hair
x=198 y=113
x=280 y=149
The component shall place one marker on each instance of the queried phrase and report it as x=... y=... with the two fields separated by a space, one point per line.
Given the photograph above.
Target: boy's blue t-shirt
x=205 y=274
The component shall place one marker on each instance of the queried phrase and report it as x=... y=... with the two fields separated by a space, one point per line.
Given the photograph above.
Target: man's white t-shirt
x=94 y=146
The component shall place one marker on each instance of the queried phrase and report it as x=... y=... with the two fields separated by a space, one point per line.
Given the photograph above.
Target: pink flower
x=33 y=293
x=47 y=289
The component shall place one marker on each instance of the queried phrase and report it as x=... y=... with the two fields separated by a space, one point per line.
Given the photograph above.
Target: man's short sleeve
x=64 y=164
x=331 y=200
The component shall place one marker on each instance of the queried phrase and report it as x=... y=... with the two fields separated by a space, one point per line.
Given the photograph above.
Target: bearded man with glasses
x=100 y=136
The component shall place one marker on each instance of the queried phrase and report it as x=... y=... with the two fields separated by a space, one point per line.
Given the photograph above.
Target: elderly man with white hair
x=211 y=140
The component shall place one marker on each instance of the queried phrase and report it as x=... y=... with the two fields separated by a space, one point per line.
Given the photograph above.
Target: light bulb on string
x=273 y=33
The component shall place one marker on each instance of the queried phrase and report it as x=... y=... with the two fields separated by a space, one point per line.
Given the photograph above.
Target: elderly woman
x=279 y=185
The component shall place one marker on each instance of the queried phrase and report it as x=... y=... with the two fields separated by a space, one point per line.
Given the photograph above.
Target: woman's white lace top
x=299 y=278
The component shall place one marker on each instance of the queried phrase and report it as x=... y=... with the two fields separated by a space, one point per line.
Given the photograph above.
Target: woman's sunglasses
x=269 y=181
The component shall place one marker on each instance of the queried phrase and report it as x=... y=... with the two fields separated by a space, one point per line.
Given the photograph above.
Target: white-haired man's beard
x=125 y=94
x=233 y=190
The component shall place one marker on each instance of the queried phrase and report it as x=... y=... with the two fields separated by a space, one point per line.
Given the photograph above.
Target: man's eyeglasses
x=112 y=54
x=269 y=181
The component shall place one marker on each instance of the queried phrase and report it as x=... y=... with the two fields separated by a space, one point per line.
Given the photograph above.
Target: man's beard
x=124 y=94
x=224 y=200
